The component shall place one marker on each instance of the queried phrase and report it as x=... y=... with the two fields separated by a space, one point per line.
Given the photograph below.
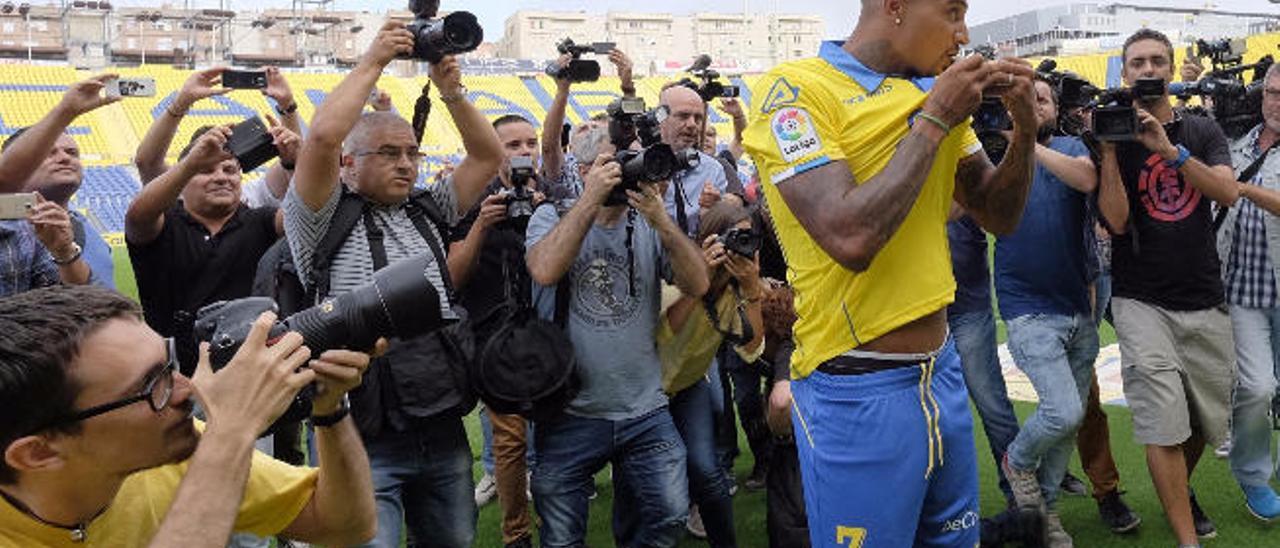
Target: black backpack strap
x=377 y=246
x=1245 y=176
x=424 y=212
x=561 y=317
x=350 y=208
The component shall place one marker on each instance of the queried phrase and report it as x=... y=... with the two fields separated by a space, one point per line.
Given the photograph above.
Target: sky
x=840 y=15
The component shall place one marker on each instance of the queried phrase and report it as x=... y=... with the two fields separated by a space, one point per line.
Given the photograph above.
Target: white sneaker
x=1223 y=451
x=486 y=490
x=694 y=524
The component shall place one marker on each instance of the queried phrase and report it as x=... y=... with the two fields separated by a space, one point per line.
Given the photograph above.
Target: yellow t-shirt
x=274 y=496
x=832 y=108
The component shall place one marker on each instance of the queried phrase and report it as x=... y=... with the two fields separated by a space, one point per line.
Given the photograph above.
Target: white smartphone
x=16 y=206
x=130 y=87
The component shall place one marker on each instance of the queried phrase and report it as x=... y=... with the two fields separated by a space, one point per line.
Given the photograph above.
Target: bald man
x=702 y=185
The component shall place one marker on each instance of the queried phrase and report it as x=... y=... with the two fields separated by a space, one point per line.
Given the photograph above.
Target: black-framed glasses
x=157 y=388
x=393 y=154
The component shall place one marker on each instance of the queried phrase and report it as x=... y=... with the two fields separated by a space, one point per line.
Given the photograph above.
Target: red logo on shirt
x=1164 y=193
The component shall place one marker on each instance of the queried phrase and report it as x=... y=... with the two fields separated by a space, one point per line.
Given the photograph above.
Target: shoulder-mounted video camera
x=1236 y=106
x=578 y=69
x=434 y=38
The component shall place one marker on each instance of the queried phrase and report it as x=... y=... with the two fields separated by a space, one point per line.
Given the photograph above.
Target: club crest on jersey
x=793 y=129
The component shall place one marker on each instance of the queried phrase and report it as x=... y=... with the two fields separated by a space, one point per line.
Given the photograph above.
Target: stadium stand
x=109 y=137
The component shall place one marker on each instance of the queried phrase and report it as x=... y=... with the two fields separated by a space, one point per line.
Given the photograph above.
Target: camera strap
x=1245 y=176
x=681 y=217
x=709 y=303
x=378 y=248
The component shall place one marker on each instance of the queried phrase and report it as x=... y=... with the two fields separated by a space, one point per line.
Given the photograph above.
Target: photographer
x=44 y=158
x=689 y=336
x=192 y=241
x=556 y=171
x=488 y=247
x=1175 y=338
x=1248 y=246
x=702 y=186
x=615 y=257
x=28 y=246
x=100 y=448
x=354 y=187
x=1042 y=287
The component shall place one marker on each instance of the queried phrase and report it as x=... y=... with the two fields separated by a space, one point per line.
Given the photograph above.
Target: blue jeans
x=1057 y=353
x=975 y=336
x=1257 y=339
x=647 y=456
x=695 y=412
x=422 y=479
x=1102 y=299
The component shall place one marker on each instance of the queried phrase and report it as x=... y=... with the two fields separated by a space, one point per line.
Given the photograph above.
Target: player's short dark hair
x=1146 y=34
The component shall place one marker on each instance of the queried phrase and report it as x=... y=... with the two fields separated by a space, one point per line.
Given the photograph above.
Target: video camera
x=434 y=38
x=631 y=122
x=708 y=85
x=578 y=69
x=1237 y=107
x=1116 y=119
x=399 y=302
x=519 y=199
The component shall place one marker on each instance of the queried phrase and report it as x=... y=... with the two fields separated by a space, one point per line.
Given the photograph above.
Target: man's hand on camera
x=1151 y=134
x=287 y=142
x=278 y=88
x=713 y=252
x=623 y=64
x=447 y=76
x=257 y=385
x=339 y=372
x=492 y=211
x=563 y=84
x=86 y=95
x=210 y=150
x=746 y=270
x=648 y=201
x=605 y=174
x=957 y=92
x=733 y=108
x=393 y=41
x=200 y=85
x=52 y=225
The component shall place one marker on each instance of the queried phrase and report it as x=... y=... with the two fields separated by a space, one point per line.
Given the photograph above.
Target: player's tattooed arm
x=995 y=196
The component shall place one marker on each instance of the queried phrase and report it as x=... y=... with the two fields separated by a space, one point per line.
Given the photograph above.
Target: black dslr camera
x=743 y=241
x=519 y=199
x=630 y=122
x=399 y=302
x=251 y=144
x=1116 y=119
x=434 y=38
x=578 y=69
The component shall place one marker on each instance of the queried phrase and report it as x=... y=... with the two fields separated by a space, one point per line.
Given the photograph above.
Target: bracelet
x=292 y=108
x=78 y=251
x=1183 y=156
x=334 y=417
x=169 y=110
x=946 y=129
x=451 y=98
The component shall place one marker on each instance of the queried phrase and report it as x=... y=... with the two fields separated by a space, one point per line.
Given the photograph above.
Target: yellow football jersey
x=832 y=108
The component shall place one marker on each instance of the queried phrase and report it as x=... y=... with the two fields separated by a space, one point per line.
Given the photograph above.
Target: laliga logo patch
x=794 y=131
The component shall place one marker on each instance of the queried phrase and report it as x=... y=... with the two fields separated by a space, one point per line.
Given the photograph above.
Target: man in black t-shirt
x=1178 y=360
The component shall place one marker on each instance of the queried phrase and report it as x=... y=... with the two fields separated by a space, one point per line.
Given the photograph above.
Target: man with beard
x=191 y=240
x=99 y=444
x=44 y=158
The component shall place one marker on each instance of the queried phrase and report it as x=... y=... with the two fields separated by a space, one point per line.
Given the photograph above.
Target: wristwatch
x=292 y=108
x=334 y=417
x=459 y=95
x=70 y=258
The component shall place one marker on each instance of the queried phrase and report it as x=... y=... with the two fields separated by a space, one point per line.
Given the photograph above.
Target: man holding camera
x=861 y=156
x=699 y=186
x=100 y=448
x=410 y=414
x=1248 y=246
x=558 y=172
x=44 y=158
x=1175 y=335
x=488 y=247
x=192 y=241
x=615 y=255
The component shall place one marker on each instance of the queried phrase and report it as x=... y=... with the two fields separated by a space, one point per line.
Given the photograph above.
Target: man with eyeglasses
x=354 y=187
x=99 y=444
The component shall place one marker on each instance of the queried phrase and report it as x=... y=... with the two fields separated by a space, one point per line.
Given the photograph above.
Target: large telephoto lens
x=459 y=32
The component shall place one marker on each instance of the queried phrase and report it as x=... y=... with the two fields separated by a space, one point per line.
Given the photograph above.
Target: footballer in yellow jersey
x=861 y=154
